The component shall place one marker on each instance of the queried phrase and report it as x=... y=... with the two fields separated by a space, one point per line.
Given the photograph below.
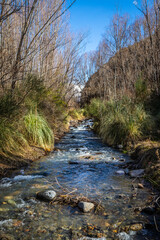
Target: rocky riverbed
x=90 y=195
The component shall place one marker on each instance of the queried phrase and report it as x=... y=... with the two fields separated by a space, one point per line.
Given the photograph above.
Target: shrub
x=37 y=131
x=7 y=105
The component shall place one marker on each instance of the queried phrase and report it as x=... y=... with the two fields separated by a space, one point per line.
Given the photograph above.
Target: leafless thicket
x=127 y=52
x=35 y=38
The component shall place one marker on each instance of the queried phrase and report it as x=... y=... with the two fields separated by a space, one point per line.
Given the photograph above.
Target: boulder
x=47 y=195
x=136 y=173
x=85 y=206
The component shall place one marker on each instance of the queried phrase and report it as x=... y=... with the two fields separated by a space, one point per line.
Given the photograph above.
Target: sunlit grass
x=12 y=141
x=121 y=121
x=37 y=131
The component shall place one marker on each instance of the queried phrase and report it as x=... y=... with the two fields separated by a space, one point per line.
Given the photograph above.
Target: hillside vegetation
x=38 y=63
x=122 y=93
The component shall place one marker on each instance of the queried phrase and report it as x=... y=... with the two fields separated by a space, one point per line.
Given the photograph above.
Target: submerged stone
x=136 y=227
x=85 y=206
x=12 y=202
x=136 y=173
x=47 y=195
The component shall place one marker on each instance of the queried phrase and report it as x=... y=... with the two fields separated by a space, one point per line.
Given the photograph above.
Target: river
x=84 y=166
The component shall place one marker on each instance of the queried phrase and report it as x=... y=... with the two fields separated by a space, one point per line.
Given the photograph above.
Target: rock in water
x=47 y=195
x=120 y=172
x=136 y=227
x=136 y=173
x=85 y=206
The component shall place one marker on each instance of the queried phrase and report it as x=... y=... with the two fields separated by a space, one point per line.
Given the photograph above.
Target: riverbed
x=81 y=165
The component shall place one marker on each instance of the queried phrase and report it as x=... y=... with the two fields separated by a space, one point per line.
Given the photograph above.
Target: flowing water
x=92 y=174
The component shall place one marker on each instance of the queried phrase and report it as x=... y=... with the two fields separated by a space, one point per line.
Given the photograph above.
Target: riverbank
x=133 y=128
x=8 y=165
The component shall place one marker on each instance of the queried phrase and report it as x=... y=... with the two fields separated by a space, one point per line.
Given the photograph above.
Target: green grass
x=121 y=121
x=37 y=131
x=12 y=141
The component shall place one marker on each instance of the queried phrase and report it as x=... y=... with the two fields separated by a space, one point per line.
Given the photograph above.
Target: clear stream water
x=25 y=218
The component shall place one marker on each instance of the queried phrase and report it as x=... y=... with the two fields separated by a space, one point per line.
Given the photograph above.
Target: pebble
x=120 y=172
x=47 y=195
x=136 y=173
x=136 y=227
x=140 y=185
x=85 y=206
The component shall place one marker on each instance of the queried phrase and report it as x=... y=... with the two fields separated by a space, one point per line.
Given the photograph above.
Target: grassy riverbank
x=29 y=128
x=133 y=126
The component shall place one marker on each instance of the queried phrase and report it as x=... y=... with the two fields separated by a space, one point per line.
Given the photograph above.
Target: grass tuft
x=12 y=141
x=37 y=131
x=121 y=121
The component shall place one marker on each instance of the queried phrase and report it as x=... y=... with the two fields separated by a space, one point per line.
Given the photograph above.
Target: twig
x=60 y=185
x=156 y=224
x=157 y=201
x=72 y=191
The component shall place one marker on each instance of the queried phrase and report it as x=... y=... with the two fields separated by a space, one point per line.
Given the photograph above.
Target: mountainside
x=136 y=64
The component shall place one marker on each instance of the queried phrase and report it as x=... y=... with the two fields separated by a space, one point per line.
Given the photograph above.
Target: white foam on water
x=25 y=177
x=4 y=185
x=5 y=182
x=22 y=204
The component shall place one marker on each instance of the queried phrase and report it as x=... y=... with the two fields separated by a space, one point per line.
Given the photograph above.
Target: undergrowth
x=120 y=121
x=31 y=116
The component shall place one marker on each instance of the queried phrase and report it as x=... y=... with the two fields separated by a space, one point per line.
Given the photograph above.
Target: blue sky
x=94 y=15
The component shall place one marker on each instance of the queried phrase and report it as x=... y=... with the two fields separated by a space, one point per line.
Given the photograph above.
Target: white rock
x=85 y=206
